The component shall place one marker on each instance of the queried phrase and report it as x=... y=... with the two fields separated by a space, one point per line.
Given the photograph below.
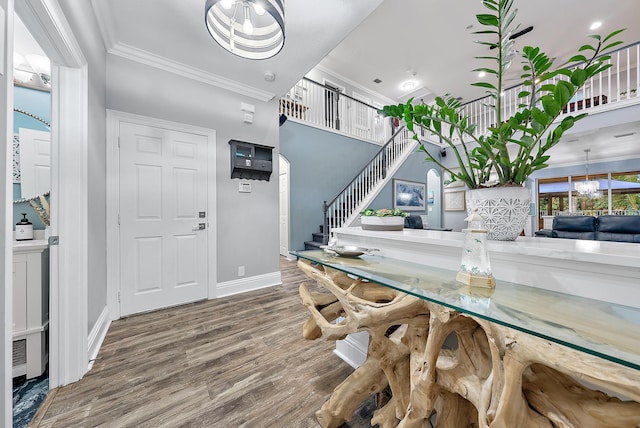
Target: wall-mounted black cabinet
x=251 y=161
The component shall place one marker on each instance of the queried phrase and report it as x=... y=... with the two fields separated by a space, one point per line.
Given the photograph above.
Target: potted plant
x=383 y=219
x=514 y=147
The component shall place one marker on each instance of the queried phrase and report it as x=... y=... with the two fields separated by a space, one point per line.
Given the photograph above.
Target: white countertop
x=613 y=253
x=30 y=245
x=602 y=270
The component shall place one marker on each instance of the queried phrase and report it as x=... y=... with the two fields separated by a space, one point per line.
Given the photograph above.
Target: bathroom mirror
x=32 y=169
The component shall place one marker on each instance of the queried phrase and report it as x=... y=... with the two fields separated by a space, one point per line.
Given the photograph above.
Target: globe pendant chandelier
x=251 y=29
x=588 y=188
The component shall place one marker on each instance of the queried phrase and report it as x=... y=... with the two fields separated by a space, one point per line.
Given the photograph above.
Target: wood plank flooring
x=239 y=361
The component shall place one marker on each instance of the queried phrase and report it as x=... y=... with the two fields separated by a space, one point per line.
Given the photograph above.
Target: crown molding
x=355 y=84
x=166 y=64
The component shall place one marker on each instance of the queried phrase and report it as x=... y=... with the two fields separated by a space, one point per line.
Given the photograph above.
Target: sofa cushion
x=619 y=228
x=574 y=227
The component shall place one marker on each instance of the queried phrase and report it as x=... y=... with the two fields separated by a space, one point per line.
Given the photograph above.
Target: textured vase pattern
x=504 y=210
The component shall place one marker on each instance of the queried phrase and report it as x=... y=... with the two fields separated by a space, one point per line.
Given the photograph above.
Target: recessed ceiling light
x=482 y=74
x=407 y=85
x=595 y=25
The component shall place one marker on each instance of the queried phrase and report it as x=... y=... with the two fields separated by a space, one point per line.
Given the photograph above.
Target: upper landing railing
x=619 y=86
x=326 y=107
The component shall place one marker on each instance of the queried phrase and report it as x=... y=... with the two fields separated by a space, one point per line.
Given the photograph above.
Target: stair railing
x=346 y=205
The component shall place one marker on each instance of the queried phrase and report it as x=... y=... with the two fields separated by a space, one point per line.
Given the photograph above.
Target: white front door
x=163 y=203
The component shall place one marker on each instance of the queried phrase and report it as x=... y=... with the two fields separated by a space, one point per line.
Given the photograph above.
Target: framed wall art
x=454 y=201
x=409 y=195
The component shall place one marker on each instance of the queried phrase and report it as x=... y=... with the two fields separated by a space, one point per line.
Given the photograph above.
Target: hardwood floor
x=238 y=361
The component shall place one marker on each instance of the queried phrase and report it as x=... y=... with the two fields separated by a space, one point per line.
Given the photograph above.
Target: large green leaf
x=612 y=34
x=579 y=76
x=586 y=48
x=550 y=105
x=578 y=58
x=611 y=45
x=485 y=85
x=486 y=19
x=563 y=92
x=541 y=117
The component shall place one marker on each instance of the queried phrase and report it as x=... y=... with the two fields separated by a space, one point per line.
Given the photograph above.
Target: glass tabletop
x=603 y=329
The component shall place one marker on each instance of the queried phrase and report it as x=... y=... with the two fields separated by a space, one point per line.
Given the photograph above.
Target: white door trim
x=68 y=335
x=6 y=216
x=113 y=196
x=68 y=352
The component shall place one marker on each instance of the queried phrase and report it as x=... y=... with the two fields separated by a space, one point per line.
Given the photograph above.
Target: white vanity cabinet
x=30 y=307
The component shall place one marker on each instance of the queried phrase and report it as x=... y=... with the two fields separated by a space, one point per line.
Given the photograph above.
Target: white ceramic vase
x=504 y=210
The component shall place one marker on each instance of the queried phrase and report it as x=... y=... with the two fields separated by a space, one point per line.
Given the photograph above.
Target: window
x=622 y=188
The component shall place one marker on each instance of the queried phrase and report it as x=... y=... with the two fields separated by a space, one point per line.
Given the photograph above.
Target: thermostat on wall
x=244 y=187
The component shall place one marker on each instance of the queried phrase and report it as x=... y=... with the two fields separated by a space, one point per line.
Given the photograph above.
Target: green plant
x=531 y=132
x=384 y=212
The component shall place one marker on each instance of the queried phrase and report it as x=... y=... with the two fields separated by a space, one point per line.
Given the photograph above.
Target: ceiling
x=174 y=31
x=432 y=39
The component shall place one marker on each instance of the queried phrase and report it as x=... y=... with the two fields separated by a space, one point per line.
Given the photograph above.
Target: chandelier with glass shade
x=588 y=188
x=251 y=29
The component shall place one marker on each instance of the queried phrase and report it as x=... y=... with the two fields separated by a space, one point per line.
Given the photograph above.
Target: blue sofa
x=618 y=228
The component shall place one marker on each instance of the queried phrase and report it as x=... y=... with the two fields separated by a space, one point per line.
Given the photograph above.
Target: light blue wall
x=322 y=163
x=39 y=104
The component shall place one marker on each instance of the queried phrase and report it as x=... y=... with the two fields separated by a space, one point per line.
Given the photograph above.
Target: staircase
x=318 y=239
x=344 y=210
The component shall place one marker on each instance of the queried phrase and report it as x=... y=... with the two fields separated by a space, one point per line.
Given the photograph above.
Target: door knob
x=199 y=226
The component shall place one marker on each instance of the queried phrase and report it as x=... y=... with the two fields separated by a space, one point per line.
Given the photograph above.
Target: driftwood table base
x=495 y=376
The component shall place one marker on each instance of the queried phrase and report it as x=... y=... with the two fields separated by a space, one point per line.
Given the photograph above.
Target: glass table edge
x=631 y=364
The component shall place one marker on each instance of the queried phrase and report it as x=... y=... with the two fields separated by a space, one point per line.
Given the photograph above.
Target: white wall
x=247 y=223
x=82 y=21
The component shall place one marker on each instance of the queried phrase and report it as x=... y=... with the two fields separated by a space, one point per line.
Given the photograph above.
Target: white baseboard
x=353 y=349
x=242 y=285
x=97 y=335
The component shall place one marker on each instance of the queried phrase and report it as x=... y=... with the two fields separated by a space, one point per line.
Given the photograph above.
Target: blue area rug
x=27 y=397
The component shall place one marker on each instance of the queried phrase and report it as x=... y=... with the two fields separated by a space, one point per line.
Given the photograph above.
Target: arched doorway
x=284 y=206
x=434 y=199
